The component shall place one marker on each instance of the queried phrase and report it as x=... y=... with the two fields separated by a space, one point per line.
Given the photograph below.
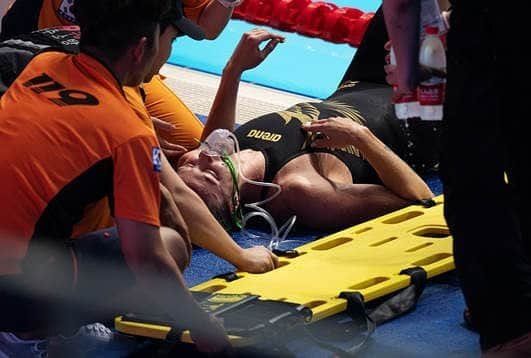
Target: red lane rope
x=314 y=19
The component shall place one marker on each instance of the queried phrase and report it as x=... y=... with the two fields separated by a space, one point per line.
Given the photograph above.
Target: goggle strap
x=237 y=214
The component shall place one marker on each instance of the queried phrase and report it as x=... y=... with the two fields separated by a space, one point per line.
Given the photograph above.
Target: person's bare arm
x=214 y=18
x=171 y=217
x=402 y=23
x=329 y=205
x=396 y=175
x=158 y=275
x=246 y=55
x=391 y=69
x=206 y=232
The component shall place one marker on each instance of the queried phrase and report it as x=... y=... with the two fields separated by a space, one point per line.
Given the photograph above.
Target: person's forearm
x=171 y=217
x=206 y=232
x=159 y=276
x=246 y=55
x=214 y=18
x=223 y=111
x=402 y=18
x=395 y=174
x=157 y=273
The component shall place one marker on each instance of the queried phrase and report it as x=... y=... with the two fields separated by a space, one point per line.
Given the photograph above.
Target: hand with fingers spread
x=248 y=53
x=334 y=132
x=171 y=150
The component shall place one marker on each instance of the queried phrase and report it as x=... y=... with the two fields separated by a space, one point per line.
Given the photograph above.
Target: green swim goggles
x=237 y=213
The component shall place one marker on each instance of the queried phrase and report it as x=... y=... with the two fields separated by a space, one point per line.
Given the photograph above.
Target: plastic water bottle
x=406 y=106
x=432 y=59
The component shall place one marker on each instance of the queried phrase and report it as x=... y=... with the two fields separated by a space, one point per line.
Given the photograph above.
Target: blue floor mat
x=434 y=329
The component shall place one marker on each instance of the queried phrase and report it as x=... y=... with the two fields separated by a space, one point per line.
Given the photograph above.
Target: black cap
x=185 y=25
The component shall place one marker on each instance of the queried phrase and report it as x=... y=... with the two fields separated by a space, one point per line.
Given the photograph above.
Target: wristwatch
x=230 y=3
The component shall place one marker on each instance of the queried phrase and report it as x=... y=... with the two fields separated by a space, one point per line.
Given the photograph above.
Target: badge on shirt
x=65 y=11
x=156 y=157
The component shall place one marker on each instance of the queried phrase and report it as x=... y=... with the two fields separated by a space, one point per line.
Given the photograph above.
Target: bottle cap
x=431 y=30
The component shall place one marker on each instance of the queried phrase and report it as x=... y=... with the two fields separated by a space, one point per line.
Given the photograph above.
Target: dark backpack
x=17 y=52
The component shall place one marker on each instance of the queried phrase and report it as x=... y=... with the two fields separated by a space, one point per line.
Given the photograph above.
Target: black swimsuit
x=280 y=138
x=362 y=96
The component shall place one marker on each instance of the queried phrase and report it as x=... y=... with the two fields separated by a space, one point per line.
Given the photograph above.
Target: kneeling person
x=70 y=139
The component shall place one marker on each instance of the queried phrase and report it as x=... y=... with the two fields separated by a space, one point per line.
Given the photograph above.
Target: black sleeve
x=21 y=18
x=369 y=59
x=12 y=62
x=16 y=52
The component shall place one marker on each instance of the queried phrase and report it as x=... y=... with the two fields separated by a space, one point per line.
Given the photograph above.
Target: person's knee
x=179 y=248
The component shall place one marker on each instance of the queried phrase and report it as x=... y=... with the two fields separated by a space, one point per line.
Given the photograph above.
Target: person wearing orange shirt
x=204 y=230
x=70 y=138
x=24 y=16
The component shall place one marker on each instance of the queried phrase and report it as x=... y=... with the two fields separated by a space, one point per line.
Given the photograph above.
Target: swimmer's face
x=208 y=176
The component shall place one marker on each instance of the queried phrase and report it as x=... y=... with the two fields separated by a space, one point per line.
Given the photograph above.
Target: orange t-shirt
x=160 y=101
x=135 y=100
x=69 y=139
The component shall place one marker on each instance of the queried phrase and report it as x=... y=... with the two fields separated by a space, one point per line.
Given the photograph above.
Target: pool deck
x=198 y=89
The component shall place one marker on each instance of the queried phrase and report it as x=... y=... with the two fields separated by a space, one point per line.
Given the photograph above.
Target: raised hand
x=249 y=54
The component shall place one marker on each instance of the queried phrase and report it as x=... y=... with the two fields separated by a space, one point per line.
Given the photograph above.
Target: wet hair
x=223 y=215
x=114 y=25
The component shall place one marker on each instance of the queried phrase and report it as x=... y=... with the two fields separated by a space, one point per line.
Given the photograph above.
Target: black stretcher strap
x=419 y=277
x=427 y=203
x=228 y=276
x=360 y=328
x=173 y=339
x=386 y=308
x=286 y=253
x=400 y=302
x=271 y=321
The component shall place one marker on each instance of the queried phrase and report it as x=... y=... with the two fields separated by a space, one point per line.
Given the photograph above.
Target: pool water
x=303 y=65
